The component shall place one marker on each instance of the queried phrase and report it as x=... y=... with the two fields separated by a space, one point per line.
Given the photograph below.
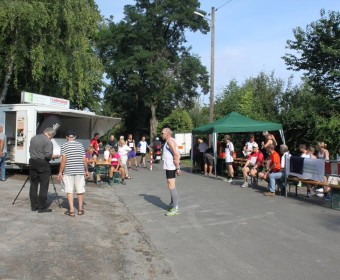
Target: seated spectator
x=209 y=161
x=115 y=167
x=303 y=151
x=311 y=152
x=274 y=167
x=253 y=164
x=107 y=153
x=280 y=179
x=91 y=157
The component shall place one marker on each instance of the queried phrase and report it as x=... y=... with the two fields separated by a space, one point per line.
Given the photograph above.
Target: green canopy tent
x=233 y=123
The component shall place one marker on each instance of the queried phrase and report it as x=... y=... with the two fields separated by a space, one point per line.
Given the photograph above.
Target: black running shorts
x=170 y=174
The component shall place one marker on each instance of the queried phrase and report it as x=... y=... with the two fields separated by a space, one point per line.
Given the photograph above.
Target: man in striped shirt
x=73 y=169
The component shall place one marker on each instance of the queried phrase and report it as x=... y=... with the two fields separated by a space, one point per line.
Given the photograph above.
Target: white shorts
x=74 y=182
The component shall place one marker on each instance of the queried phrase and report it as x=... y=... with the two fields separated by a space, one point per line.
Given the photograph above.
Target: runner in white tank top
x=171 y=165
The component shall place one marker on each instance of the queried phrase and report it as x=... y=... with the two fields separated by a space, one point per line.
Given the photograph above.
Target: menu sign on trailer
x=28 y=97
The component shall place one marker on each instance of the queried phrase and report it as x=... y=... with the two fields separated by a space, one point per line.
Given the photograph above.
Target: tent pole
x=282 y=136
x=192 y=152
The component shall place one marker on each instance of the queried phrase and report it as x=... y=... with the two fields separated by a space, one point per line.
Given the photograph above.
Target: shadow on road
x=155 y=200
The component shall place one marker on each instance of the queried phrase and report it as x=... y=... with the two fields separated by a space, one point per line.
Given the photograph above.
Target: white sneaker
x=320 y=190
x=229 y=180
x=245 y=185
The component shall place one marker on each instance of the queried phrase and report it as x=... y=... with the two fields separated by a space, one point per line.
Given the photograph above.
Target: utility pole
x=212 y=67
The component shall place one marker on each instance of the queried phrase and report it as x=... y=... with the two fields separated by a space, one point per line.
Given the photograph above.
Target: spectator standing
x=323 y=153
x=72 y=171
x=123 y=151
x=41 y=152
x=132 y=154
x=171 y=157
x=195 y=156
x=143 y=145
x=209 y=161
x=3 y=153
x=202 y=147
x=229 y=158
x=113 y=142
x=248 y=147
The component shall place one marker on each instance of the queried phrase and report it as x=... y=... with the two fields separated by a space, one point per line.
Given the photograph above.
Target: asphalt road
x=223 y=232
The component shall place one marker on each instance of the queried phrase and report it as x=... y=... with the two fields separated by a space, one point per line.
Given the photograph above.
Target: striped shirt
x=75 y=153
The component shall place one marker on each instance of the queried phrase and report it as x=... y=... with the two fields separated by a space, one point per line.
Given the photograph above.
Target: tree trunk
x=153 y=123
x=6 y=80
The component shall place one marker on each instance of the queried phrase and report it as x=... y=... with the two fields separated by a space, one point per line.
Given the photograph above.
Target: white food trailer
x=183 y=140
x=22 y=121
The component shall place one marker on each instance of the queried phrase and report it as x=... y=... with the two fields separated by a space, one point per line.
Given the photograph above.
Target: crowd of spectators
x=265 y=163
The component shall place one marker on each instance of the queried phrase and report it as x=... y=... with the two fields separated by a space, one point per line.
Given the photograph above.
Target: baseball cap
x=255 y=145
x=71 y=134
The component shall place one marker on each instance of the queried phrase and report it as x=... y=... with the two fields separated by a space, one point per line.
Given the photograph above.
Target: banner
x=313 y=169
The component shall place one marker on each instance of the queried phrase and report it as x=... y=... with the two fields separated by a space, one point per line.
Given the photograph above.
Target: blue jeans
x=3 y=167
x=272 y=180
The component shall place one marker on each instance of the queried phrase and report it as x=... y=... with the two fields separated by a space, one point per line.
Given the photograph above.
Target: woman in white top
x=123 y=151
x=229 y=159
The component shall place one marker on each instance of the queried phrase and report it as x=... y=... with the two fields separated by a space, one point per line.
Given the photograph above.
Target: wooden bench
x=335 y=189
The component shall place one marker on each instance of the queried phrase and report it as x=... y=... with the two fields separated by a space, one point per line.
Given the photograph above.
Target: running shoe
x=172 y=212
x=244 y=185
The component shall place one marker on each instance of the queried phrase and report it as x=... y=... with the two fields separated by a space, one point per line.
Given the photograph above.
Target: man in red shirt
x=254 y=162
x=274 y=167
x=94 y=143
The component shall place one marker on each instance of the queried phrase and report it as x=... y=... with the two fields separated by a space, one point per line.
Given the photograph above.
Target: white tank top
x=168 y=157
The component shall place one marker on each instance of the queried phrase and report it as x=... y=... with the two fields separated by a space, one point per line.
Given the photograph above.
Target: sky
x=250 y=35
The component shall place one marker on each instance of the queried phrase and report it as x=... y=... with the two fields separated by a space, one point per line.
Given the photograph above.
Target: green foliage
x=147 y=63
x=199 y=115
x=50 y=45
x=307 y=117
x=257 y=98
x=318 y=49
x=177 y=121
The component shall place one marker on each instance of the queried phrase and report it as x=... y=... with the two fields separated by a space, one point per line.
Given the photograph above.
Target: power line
x=223 y=5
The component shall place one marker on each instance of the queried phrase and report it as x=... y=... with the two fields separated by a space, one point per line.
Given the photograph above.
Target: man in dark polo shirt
x=41 y=152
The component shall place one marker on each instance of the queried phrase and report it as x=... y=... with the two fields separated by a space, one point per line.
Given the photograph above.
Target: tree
x=258 y=98
x=318 y=53
x=199 y=115
x=150 y=69
x=47 y=47
x=178 y=121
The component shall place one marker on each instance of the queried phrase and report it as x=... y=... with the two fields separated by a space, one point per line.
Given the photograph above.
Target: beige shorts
x=74 y=183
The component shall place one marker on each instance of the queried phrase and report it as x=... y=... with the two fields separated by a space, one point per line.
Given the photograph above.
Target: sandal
x=68 y=213
x=81 y=212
